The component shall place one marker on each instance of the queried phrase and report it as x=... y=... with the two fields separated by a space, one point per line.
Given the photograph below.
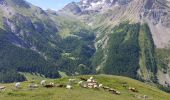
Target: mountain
x=34 y=41
x=118 y=37
x=132 y=36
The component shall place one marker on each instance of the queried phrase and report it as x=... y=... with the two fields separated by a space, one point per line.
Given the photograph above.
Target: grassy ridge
x=78 y=93
x=67 y=26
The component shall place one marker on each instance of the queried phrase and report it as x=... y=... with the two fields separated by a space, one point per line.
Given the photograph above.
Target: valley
x=128 y=38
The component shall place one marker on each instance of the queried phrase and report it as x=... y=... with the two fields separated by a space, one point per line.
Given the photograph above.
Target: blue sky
x=52 y=4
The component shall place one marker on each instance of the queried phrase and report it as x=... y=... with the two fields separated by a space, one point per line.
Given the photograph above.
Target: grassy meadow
x=78 y=93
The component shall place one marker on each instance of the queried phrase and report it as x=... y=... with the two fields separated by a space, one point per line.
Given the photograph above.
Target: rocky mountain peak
x=105 y=1
x=154 y=12
x=21 y=3
x=85 y=6
x=72 y=7
x=95 y=4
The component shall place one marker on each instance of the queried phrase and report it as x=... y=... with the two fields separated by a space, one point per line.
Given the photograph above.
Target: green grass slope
x=78 y=93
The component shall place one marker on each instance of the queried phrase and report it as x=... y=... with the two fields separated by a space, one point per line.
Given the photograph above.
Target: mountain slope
x=25 y=40
x=106 y=14
x=130 y=52
x=118 y=49
x=78 y=93
x=39 y=36
x=15 y=59
x=122 y=37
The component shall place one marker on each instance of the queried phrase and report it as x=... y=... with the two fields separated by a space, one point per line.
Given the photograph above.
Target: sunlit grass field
x=78 y=93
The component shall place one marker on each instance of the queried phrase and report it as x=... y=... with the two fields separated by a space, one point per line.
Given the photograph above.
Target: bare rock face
x=17 y=24
x=93 y=7
x=123 y=2
x=148 y=4
x=156 y=11
x=7 y=10
x=158 y=17
x=109 y=2
x=9 y=25
x=101 y=4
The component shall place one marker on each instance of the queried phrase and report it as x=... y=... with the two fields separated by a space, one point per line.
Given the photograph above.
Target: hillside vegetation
x=14 y=59
x=31 y=41
x=123 y=52
x=130 y=51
